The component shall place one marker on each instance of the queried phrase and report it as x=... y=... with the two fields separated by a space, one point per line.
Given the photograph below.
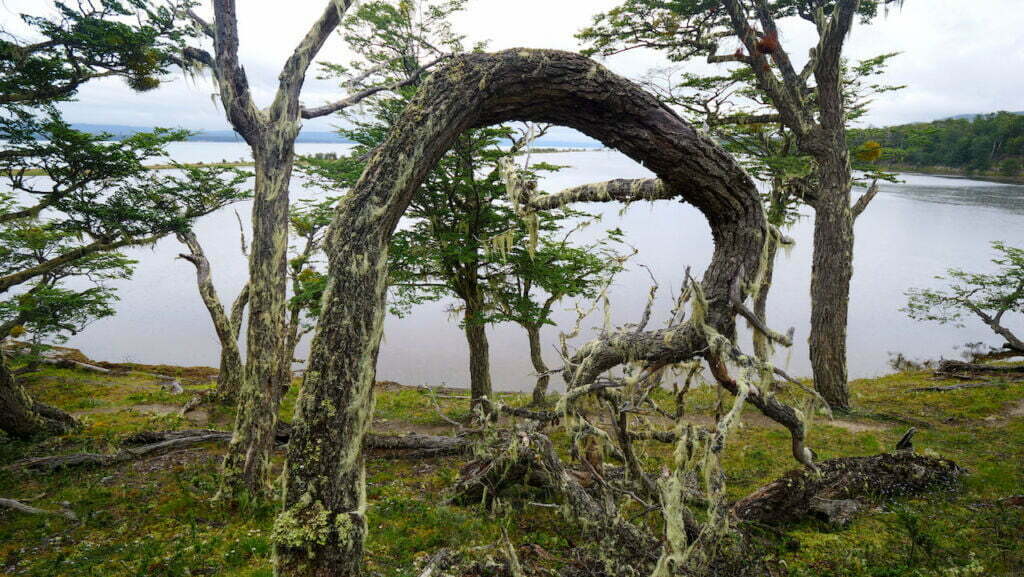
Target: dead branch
x=960 y=369
x=152 y=443
x=30 y=510
x=800 y=493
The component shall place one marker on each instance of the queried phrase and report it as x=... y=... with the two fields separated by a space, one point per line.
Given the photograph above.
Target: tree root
x=151 y=443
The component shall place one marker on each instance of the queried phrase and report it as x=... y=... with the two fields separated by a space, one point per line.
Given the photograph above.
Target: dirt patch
x=856 y=426
x=391 y=427
x=1016 y=410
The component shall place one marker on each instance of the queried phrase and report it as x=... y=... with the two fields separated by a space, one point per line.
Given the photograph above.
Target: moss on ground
x=156 y=516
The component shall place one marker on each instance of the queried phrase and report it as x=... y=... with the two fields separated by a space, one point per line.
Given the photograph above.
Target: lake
x=913 y=231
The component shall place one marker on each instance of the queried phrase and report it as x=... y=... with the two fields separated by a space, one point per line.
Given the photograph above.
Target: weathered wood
x=152 y=443
x=30 y=510
x=21 y=416
x=229 y=377
x=801 y=493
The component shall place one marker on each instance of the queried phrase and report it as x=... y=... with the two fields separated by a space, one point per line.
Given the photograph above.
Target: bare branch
x=863 y=202
x=358 y=97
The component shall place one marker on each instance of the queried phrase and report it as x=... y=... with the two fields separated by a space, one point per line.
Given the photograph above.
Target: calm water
x=912 y=232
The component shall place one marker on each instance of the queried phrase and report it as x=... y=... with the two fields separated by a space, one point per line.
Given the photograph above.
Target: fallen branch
x=148 y=444
x=801 y=493
x=959 y=369
x=961 y=386
x=30 y=510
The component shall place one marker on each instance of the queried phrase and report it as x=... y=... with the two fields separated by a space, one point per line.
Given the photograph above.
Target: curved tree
x=323 y=525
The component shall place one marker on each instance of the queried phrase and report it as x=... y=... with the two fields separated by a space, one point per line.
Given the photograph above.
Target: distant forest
x=986 y=143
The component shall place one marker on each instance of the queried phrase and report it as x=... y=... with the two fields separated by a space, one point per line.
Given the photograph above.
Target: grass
x=156 y=517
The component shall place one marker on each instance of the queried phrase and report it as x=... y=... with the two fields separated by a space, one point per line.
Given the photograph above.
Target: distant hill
x=119 y=131
x=983 y=144
x=973 y=116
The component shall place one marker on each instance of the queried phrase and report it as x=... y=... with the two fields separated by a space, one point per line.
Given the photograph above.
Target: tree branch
x=358 y=97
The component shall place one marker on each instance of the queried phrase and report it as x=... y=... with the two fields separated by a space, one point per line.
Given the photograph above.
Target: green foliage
x=136 y=40
x=732 y=104
x=979 y=144
x=460 y=236
x=69 y=200
x=968 y=293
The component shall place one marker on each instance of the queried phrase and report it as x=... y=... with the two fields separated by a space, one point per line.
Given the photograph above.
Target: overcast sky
x=958 y=56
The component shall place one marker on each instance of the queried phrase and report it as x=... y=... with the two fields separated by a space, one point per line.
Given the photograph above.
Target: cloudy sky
x=958 y=56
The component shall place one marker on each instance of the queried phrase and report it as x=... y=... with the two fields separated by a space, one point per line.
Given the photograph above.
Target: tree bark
x=323 y=525
x=540 y=389
x=247 y=462
x=229 y=377
x=831 y=272
x=23 y=418
x=479 y=351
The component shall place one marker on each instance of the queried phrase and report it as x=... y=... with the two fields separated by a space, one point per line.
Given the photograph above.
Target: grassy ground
x=155 y=516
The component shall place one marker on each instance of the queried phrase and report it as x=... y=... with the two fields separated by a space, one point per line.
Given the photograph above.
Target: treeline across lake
x=990 y=144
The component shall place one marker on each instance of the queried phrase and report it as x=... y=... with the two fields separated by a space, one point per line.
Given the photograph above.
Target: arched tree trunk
x=23 y=418
x=540 y=389
x=323 y=524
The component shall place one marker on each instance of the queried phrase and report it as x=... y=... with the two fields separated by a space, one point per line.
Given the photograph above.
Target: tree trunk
x=830 y=280
x=23 y=418
x=762 y=347
x=479 y=351
x=323 y=525
x=247 y=463
x=540 y=389
x=229 y=378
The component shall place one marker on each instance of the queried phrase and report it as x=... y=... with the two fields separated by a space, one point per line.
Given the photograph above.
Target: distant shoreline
x=954 y=172
x=249 y=163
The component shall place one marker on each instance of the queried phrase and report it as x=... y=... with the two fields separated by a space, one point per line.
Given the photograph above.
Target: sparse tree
x=72 y=199
x=809 y=101
x=986 y=296
x=270 y=132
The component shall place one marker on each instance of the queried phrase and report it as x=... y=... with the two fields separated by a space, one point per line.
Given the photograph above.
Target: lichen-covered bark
x=321 y=530
x=229 y=378
x=271 y=134
x=247 y=462
x=21 y=416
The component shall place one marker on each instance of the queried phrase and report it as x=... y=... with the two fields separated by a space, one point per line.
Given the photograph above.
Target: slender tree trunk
x=540 y=389
x=762 y=348
x=229 y=378
x=830 y=280
x=23 y=418
x=479 y=350
x=247 y=463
